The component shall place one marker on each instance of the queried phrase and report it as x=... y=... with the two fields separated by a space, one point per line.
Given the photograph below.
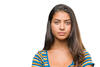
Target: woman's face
x=61 y=25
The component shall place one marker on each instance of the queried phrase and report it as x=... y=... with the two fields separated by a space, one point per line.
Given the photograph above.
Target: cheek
x=68 y=29
x=54 y=29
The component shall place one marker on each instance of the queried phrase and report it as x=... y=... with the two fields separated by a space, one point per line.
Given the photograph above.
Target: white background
x=23 y=26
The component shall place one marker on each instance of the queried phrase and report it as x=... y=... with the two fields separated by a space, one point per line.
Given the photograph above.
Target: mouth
x=61 y=33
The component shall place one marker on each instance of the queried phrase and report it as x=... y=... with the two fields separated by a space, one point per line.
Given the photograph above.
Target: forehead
x=61 y=15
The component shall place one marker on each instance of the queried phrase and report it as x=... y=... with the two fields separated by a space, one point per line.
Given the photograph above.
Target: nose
x=62 y=27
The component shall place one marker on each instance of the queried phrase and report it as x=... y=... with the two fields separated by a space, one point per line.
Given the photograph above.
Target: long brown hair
x=74 y=40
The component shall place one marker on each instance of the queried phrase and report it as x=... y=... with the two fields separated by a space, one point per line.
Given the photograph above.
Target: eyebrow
x=68 y=20
x=64 y=20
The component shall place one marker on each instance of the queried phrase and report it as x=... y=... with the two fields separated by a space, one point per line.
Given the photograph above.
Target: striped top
x=41 y=59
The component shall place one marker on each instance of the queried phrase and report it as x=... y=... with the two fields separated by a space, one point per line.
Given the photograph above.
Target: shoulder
x=38 y=58
x=87 y=59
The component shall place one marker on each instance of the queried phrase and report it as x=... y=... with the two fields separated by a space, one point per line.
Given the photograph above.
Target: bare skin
x=59 y=55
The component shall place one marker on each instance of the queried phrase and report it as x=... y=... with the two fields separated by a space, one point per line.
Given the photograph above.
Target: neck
x=60 y=45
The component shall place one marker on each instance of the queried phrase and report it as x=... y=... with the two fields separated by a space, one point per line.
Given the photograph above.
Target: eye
x=56 y=22
x=68 y=22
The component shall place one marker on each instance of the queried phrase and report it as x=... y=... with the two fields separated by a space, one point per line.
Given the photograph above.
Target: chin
x=61 y=38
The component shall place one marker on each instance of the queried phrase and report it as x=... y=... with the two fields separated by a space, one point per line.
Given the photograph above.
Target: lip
x=61 y=33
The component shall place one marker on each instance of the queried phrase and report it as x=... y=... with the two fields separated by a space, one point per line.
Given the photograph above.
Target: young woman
x=63 y=46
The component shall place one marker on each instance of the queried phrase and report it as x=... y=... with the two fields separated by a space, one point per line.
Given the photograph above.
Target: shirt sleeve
x=87 y=60
x=37 y=60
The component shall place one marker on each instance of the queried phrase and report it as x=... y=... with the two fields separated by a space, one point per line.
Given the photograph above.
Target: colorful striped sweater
x=41 y=59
